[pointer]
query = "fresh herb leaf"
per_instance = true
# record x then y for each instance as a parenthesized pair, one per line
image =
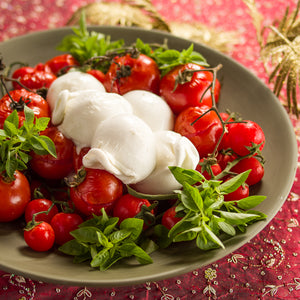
(17, 142)
(84, 45)
(206, 214)
(106, 242)
(167, 59)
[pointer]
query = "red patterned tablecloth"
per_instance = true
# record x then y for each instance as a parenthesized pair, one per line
(265, 268)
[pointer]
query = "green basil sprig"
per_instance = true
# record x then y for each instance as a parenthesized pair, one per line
(205, 213)
(17, 142)
(103, 243)
(84, 45)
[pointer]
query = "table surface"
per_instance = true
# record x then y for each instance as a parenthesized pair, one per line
(265, 268)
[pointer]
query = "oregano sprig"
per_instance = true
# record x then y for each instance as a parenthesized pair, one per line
(17, 142)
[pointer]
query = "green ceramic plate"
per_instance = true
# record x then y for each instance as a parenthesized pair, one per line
(241, 92)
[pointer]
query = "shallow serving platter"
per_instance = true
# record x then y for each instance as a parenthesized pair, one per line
(241, 92)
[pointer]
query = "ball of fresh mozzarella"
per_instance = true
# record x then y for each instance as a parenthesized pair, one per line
(80, 113)
(172, 149)
(72, 81)
(152, 109)
(124, 145)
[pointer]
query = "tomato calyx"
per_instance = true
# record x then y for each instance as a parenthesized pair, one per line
(19, 105)
(206, 165)
(7, 178)
(187, 75)
(147, 215)
(122, 71)
(77, 178)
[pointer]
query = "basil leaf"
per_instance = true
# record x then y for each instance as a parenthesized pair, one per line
(86, 234)
(250, 202)
(134, 225)
(186, 176)
(131, 249)
(232, 184)
(73, 247)
(238, 218)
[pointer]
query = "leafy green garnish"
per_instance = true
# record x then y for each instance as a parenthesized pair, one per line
(17, 142)
(84, 45)
(103, 243)
(167, 59)
(206, 214)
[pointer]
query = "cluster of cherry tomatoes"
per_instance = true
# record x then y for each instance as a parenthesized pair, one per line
(52, 208)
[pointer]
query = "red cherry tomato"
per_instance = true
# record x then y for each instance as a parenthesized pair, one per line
(183, 95)
(20, 72)
(204, 133)
(35, 78)
(62, 224)
(216, 169)
(77, 157)
(39, 205)
(225, 117)
(169, 218)
(224, 159)
(39, 189)
(21, 98)
(61, 62)
(50, 167)
(127, 73)
(41, 237)
(244, 134)
(128, 206)
(251, 163)
(14, 197)
(240, 193)
(100, 189)
(97, 74)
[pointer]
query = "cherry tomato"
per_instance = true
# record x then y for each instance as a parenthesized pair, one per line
(39, 189)
(180, 96)
(216, 169)
(204, 133)
(50, 167)
(127, 73)
(253, 164)
(39, 205)
(35, 78)
(128, 206)
(99, 189)
(61, 63)
(77, 157)
(240, 193)
(62, 224)
(41, 237)
(97, 74)
(244, 134)
(20, 72)
(225, 117)
(14, 197)
(224, 159)
(169, 218)
(21, 98)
